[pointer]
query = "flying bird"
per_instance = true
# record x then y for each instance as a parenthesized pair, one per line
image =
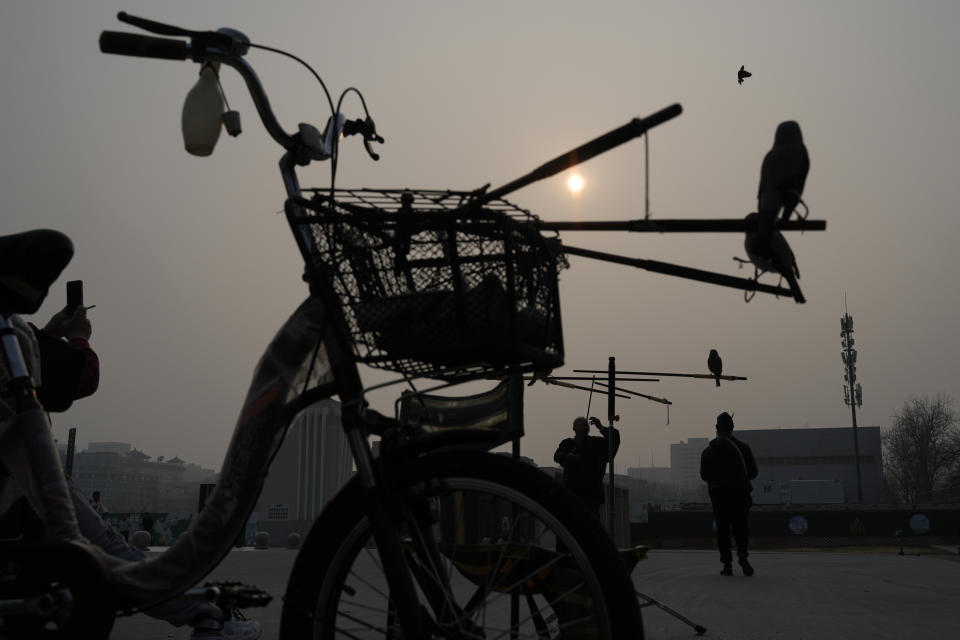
(743, 73)
(715, 364)
(782, 174)
(768, 251)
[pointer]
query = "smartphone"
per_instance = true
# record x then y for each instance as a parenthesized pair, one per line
(74, 294)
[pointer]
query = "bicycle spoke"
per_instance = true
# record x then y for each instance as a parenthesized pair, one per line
(369, 584)
(463, 579)
(362, 623)
(516, 584)
(365, 607)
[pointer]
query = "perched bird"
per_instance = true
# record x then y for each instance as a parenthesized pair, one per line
(715, 364)
(769, 251)
(743, 73)
(782, 174)
(539, 375)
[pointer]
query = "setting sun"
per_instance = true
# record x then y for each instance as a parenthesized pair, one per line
(575, 183)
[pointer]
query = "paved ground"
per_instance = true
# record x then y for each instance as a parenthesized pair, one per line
(795, 595)
(804, 595)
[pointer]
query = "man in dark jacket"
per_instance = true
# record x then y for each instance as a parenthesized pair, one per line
(584, 459)
(727, 466)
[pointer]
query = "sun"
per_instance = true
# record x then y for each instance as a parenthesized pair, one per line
(575, 183)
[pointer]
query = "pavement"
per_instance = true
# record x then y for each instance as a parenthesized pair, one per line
(795, 595)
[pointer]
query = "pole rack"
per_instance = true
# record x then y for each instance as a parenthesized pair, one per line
(680, 225)
(681, 272)
(576, 386)
(708, 376)
(594, 378)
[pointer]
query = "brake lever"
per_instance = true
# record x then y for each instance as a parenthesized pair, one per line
(367, 129)
(155, 27)
(370, 135)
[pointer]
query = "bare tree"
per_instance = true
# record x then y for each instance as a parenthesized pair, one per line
(921, 449)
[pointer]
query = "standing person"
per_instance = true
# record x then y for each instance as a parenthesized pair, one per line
(146, 523)
(727, 466)
(97, 504)
(124, 527)
(584, 459)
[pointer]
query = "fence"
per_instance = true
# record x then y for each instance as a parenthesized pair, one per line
(813, 526)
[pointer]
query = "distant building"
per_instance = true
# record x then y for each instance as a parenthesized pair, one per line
(122, 448)
(130, 481)
(796, 466)
(815, 465)
(660, 475)
(685, 463)
(313, 463)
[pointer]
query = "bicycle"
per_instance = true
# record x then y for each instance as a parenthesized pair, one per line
(453, 286)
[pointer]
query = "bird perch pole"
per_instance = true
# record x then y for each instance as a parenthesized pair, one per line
(611, 416)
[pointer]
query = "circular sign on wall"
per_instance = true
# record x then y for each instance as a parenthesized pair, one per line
(919, 523)
(798, 525)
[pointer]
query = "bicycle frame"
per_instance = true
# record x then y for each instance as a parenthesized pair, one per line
(308, 360)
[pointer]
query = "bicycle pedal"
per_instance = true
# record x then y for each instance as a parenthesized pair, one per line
(236, 595)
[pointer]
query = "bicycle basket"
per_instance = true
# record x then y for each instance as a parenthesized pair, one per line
(429, 292)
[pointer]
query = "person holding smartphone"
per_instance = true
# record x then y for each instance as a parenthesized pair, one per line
(70, 368)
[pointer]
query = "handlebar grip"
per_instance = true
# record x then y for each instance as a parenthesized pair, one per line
(135, 44)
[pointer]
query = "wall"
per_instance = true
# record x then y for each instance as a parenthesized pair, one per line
(806, 527)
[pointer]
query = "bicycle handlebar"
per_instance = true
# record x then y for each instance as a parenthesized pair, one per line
(227, 47)
(135, 44)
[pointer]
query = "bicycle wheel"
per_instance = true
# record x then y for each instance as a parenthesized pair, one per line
(498, 524)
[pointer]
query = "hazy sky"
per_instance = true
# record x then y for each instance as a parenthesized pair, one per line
(192, 269)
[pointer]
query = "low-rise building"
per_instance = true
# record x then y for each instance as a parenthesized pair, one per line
(132, 481)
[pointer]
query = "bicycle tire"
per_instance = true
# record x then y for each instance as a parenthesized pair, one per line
(337, 550)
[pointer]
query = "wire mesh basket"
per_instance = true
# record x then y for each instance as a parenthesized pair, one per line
(429, 291)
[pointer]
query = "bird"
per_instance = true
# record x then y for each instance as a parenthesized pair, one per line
(768, 250)
(783, 174)
(540, 375)
(715, 364)
(743, 73)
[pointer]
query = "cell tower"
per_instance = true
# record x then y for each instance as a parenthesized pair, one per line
(852, 391)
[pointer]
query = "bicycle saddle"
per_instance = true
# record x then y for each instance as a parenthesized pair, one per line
(29, 263)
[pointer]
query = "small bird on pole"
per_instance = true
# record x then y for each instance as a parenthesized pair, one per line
(539, 375)
(743, 73)
(772, 253)
(715, 364)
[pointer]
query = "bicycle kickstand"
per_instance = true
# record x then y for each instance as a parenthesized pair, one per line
(648, 601)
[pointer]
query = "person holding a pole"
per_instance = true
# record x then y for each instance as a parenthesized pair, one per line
(584, 460)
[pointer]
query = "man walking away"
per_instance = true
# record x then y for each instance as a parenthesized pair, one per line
(727, 466)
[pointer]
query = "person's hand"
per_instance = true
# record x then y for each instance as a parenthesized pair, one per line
(70, 324)
(595, 421)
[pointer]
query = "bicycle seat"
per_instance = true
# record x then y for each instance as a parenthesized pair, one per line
(29, 263)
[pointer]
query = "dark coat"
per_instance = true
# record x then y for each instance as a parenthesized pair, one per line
(69, 370)
(727, 464)
(584, 465)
